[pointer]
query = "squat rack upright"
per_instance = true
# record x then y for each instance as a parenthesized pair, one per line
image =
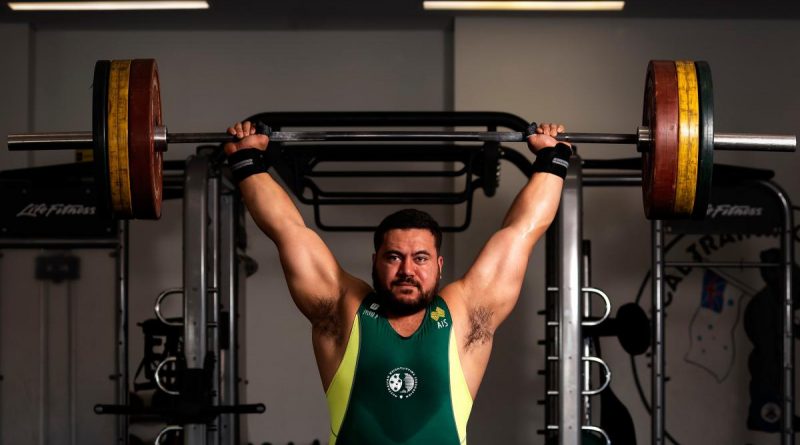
(565, 278)
(205, 405)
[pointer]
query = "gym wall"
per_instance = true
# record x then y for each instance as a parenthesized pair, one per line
(14, 88)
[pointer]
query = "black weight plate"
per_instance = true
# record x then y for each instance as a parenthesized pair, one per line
(99, 135)
(705, 165)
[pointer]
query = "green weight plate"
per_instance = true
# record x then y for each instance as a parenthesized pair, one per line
(99, 136)
(706, 152)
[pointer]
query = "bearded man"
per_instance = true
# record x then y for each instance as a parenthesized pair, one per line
(401, 361)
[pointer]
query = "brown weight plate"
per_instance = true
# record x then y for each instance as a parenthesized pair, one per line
(146, 162)
(660, 156)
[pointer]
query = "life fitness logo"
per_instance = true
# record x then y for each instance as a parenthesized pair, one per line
(401, 383)
(43, 210)
(728, 210)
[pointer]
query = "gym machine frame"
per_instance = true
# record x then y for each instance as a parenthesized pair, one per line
(566, 233)
(296, 166)
(210, 277)
(119, 245)
(569, 281)
(568, 354)
(658, 360)
(569, 414)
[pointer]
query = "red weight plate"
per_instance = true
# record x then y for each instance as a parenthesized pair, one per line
(660, 156)
(146, 161)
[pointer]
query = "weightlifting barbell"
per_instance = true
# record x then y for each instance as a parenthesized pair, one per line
(676, 138)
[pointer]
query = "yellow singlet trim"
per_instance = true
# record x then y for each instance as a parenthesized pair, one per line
(338, 393)
(460, 397)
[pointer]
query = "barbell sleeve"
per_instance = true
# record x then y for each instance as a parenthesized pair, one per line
(722, 141)
(73, 140)
(755, 142)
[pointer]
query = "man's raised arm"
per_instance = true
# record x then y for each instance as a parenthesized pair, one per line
(315, 279)
(492, 285)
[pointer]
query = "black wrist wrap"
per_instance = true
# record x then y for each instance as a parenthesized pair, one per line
(246, 162)
(553, 160)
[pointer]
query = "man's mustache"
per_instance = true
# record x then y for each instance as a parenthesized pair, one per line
(407, 280)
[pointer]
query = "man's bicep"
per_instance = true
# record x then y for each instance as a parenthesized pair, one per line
(312, 273)
(494, 280)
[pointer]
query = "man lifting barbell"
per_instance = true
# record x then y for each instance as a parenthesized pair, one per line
(401, 361)
(677, 138)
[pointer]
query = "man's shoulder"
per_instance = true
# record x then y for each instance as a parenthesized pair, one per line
(455, 297)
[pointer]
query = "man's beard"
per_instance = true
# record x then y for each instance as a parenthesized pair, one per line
(394, 305)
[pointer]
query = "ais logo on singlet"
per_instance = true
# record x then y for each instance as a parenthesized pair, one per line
(401, 382)
(438, 316)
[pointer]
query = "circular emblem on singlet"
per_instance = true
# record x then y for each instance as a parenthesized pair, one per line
(401, 383)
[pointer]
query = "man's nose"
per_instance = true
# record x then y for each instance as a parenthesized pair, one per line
(407, 268)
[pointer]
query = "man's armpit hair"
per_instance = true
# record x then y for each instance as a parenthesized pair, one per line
(479, 322)
(326, 318)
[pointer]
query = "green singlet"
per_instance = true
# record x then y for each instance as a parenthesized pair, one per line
(399, 390)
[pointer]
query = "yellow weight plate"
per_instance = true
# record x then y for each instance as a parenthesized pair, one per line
(118, 165)
(688, 138)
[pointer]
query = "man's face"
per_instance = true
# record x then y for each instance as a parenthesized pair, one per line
(406, 270)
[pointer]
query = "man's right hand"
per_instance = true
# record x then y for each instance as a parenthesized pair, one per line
(545, 136)
(246, 132)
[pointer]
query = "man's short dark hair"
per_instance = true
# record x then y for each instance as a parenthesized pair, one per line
(408, 219)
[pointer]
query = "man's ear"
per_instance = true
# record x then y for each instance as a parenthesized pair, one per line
(441, 265)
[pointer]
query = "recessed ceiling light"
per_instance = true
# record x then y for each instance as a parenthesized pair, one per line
(508, 5)
(107, 5)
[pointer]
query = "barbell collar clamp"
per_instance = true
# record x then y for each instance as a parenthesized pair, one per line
(643, 139)
(160, 138)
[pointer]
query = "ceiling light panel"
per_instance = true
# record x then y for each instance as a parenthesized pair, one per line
(107, 5)
(507, 5)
